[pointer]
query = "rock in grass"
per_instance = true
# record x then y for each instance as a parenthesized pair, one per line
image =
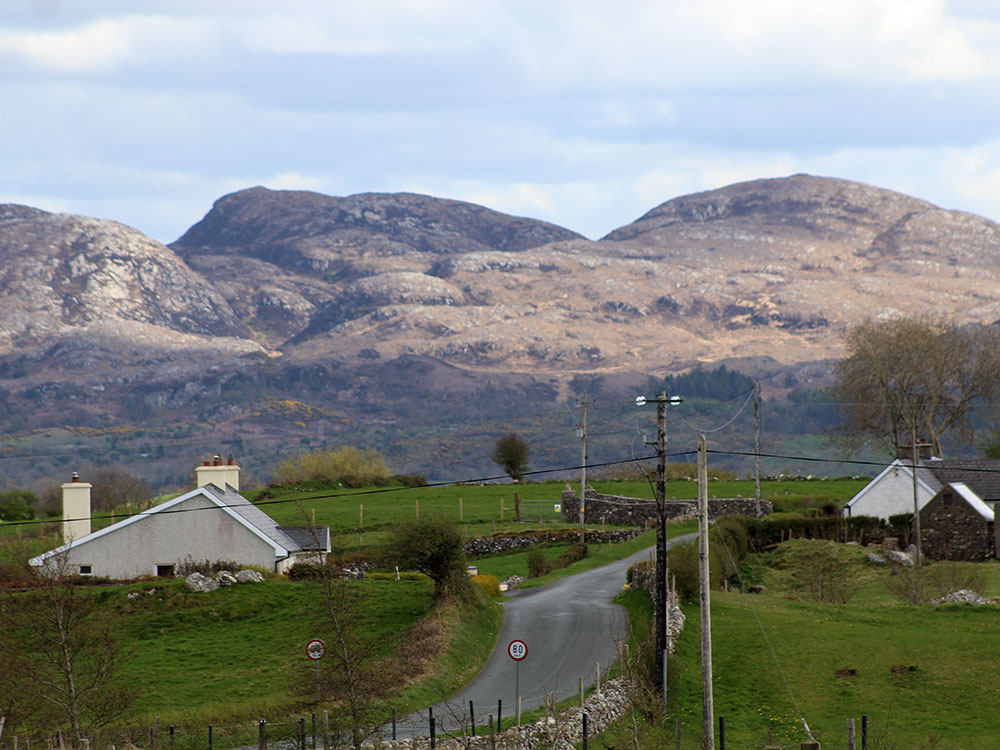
(200, 583)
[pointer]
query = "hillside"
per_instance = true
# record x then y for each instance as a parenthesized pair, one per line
(376, 310)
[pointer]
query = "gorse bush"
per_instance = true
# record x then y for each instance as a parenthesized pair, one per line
(347, 466)
(490, 584)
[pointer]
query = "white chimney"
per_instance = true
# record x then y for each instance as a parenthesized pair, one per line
(76, 509)
(219, 472)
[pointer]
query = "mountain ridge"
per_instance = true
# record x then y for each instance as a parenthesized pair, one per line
(272, 290)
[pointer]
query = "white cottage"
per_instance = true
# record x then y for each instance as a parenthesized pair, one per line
(213, 522)
(891, 492)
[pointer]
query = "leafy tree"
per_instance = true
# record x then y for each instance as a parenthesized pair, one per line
(916, 374)
(511, 454)
(17, 505)
(433, 546)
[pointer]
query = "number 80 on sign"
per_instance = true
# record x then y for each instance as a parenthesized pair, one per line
(517, 650)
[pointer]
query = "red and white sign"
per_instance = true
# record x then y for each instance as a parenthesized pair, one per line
(517, 650)
(315, 649)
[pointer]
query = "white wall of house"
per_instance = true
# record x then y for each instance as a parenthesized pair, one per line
(136, 549)
(889, 494)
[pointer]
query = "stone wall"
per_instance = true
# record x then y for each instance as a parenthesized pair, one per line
(618, 510)
(562, 732)
(486, 545)
(954, 531)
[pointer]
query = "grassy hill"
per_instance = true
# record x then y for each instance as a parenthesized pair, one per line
(923, 674)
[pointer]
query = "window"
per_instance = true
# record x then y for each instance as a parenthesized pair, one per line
(165, 571)
(946, 499)
(86, 570)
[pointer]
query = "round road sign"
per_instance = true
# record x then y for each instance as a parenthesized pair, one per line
(517, 650)
(315, 649)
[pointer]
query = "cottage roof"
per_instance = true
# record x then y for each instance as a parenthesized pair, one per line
(308, 537)
(980, 475)
(228, 501)
(973, 500)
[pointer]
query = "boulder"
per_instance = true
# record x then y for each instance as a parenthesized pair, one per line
(249, 576)
(200, 583)
(876, 559)
(225, 578)
(900, 558)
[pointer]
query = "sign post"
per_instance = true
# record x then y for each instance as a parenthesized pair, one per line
(316, 650)
(517, 650)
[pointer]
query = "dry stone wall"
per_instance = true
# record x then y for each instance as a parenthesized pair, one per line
(619, 510)
(562, 732)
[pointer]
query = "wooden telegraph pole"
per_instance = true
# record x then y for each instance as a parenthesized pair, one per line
(756, 448)
(583, 468)
(660, 599)
(708, 718)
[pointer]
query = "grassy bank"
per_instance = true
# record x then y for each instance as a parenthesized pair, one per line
(921, 673)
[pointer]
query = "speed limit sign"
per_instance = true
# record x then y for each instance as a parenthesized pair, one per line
(517, 650)
(315, 649)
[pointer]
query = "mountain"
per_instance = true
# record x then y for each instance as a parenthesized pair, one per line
(378, 314)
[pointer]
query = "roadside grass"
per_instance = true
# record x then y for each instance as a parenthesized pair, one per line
(921, 673)
(602, 554)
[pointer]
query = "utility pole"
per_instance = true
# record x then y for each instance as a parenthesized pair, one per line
(708, 711)
(583, 468)
(916, 505)
(660, 600)
(756, 448)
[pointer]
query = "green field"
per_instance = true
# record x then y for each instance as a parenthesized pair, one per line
(921, 673)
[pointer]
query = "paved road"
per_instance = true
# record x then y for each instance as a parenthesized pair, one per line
(569, 627)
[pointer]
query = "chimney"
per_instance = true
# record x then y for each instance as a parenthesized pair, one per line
(219, 472)
(75, 509)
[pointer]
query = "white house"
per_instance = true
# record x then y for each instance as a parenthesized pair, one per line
(891, 492)
(213, 522)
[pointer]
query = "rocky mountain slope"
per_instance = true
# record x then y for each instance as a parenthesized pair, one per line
(355, 298)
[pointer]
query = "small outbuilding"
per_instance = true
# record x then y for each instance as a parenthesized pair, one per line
(213, 522)
(956, 524)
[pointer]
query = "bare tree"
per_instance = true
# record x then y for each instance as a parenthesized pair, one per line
(920, 375)
(63, 648)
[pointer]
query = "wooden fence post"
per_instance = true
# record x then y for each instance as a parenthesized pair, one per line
(302, 734)
(493, 738)
(326, 730)
(211, 737)
(262, 734)
(517, 507)
(585, 738)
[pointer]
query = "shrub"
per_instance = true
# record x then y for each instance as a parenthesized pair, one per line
(410, 480)
(490, 584)
(17, 505)
(404, 575)
(348, 466)
(537, 564)
(947, 577)
(576, 552)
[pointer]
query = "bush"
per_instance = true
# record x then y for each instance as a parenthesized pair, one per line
(576, 552)
(947, 577)
(537, 564)
(348, 466)
(410, 480)
(17, 505)
(404, 575)
(490, 584)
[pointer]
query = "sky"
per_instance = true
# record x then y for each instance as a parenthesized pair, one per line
(586, 114)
